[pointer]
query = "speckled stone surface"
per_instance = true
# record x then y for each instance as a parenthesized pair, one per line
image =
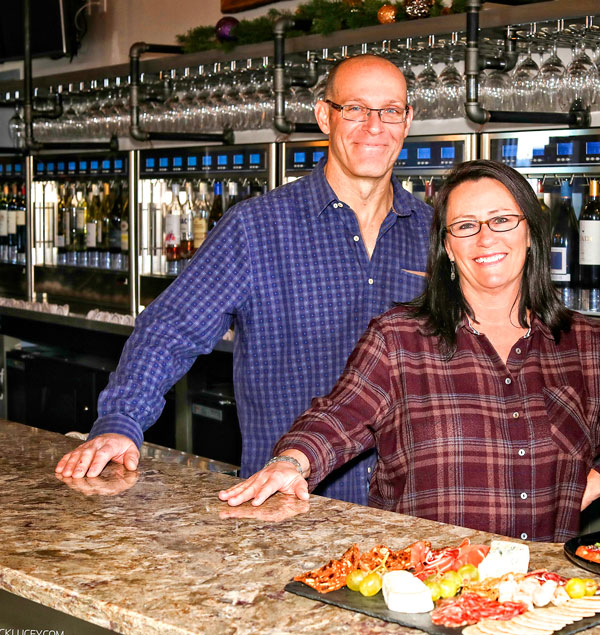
(155, 551)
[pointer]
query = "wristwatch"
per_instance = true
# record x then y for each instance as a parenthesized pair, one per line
(288, 459)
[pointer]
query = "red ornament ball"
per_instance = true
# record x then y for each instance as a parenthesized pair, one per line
(224, 29)
(387, 14)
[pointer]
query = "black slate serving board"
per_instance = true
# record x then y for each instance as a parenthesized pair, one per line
(375, 607)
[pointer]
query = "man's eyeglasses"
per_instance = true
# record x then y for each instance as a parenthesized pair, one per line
(503, 223)
(353, 112)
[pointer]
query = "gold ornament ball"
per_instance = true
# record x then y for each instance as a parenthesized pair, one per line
(418, 8)
(354, 4)
(387, 14)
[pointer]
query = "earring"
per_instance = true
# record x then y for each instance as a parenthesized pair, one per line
(452, 271)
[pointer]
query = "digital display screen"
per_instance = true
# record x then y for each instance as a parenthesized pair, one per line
(192, 162)
(403, 154)
(40, 167)
(9, 168)
(163, 162)
(17, 167)
(50, 167)
(255, 159)
(94, 165)
(538, 152)
(118, 164)
(318, 155)
(564, 149)
(299, 157)
(509, 151)
(106, 164)
(72, 166)
(423, 153)
(592, 147)
(150, 163)
(83, 165)
(61, 166)
(222, 159)
(448, 152)
(177, 162)
(238, 159)
(207, 161)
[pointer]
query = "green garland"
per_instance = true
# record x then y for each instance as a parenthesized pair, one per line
(325, 17)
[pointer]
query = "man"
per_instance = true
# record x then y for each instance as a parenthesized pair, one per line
(299, 271)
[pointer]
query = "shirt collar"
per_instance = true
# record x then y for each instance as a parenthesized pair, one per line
(322, 194)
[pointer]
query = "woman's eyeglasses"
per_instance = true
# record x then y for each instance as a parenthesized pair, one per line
(503, 223)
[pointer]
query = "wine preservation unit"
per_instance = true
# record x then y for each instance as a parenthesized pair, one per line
(183, 193)
(13, 229)
(564, 168)
(81, 230)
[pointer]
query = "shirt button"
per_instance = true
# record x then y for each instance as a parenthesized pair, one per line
(369, 470)
(523, 495)
(518, 351)
(356, 239)
(508, 380)
(371, 281)
(515, 415)
(523, 536)
(521, 452)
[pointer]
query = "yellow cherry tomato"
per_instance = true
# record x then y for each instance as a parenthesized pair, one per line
(371, 584)
(354, 578)
(591, 586)
(575, 588)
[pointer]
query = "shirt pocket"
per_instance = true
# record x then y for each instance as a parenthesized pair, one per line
(568, 424)
(413, 284)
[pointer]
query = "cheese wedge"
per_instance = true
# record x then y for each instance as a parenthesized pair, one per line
(504, 557)
(404, 593)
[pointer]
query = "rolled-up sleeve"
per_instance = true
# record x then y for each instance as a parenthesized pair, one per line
(342, 425)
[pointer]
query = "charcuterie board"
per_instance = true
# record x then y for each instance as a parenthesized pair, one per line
(375, 607)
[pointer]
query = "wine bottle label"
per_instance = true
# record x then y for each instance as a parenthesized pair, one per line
(200, 229)
(21, 217)
(558, 265)
(12, 221)
(3, 222)
(80, 219)
(172, 230)
(589, 242)
(90, 239)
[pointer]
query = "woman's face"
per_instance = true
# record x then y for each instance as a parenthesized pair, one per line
(488, 261)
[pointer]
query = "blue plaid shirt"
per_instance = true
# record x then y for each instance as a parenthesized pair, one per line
(290, 270)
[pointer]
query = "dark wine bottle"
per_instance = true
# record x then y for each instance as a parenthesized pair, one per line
(216, 211)
(21, 228)
(589, 251)
(564, 264)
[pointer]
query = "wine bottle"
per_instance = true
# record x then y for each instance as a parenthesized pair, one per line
(21, 228)
(186, 236)
(63, 231)
(216, 210)
(201, 214)
(233, 194)
(124, 226)
(538, 187)
(589, 250)
(114, 232)
(12, 226)
(72, 213)
(172, 231)
(564, 266)
(94, 227)
(106, 208)
(81, 228)
(4, 225)
(429, 193)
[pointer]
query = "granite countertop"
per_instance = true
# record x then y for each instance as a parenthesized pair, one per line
(155, 551)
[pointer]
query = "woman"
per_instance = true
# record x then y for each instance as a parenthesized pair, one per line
(482, 396)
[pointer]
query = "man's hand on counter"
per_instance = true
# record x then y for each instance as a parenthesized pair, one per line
(278, 477)
(90, 458)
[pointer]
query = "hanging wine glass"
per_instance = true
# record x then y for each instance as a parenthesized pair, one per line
(451, 86)
(524, 83)
(409, 75)
(427, 87)
(578, 81)
(549, 81)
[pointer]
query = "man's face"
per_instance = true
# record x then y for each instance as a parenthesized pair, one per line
(366, 149)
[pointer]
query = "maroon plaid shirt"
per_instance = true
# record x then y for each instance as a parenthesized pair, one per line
(470, 442)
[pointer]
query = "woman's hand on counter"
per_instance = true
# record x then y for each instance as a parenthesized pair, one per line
(278, 477)
(90, 458)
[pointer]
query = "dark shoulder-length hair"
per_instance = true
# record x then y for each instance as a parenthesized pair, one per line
(443, 305)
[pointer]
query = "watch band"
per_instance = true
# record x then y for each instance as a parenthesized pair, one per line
(288, 459)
